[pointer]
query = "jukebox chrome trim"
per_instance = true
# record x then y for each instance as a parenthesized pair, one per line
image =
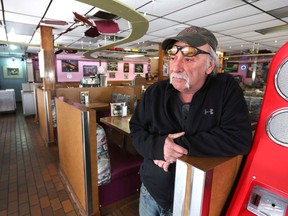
(278, 136)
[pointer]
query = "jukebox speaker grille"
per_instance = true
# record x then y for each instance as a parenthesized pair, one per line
(281, 80)
(277, 127)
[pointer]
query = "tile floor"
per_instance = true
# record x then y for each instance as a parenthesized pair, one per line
(29, 180)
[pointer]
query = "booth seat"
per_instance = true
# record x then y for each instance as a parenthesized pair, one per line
(125, 178)
(118, 170)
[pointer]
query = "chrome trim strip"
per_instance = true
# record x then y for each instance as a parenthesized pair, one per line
(87, 161)
(179, 190)
(276, 83)
(47, 115)
(196, 193)
(270, 135)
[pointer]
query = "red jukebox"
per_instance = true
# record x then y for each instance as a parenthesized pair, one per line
(263, 185)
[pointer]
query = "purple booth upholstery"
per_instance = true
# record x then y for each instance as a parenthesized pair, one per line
(125, 178)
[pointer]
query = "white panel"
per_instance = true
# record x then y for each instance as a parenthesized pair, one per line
(160, 24)
(19, 38)
(207, 8)
(63, 10)
(29, 7)
(162, 7)
(248, 28)
(22, 18)
(271, 5)
(135, 4)
(242, 22)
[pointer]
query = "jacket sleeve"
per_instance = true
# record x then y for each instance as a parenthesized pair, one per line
(149, 145)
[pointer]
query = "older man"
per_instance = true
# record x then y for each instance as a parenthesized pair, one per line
(196, 112)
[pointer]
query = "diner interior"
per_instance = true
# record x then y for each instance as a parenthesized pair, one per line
(72, 72)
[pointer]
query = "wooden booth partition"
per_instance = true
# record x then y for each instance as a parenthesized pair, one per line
(76, 127)
(44, 115)
(119, 82)
(98, 94)
(203, 185)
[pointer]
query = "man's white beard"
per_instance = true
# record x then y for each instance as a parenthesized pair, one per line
(181, 76)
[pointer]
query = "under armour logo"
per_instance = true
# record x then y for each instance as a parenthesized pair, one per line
(211, 111)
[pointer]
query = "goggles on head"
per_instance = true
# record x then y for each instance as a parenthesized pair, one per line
(187, 51)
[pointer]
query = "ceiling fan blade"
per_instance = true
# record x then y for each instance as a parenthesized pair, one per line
(92, 32)
(71, 51)
(104, 15)
(107, 26)
(83, 19)
(58, 51)
(54, 22)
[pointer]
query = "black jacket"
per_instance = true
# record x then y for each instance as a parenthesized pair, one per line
(217, 125)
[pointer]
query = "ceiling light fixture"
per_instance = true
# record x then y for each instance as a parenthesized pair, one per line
(273, 29)
(134, 56)
(13, 47)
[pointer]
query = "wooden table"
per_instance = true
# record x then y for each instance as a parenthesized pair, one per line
(98, 106)
(120, 124)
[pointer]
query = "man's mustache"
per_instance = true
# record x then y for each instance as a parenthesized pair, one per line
(180, 76)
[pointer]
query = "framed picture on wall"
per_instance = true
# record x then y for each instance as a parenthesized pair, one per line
(112, 66)
(138, 68)
(165, 68)
(12, 72)
(249, 72)
(126, 67)
(70, 66)
(89, 70)
(231, 67)
(112, 75)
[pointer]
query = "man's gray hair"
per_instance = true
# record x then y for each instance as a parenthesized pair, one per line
(214, 57)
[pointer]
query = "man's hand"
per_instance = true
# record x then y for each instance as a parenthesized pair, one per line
(162, 164)
(172, 151)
